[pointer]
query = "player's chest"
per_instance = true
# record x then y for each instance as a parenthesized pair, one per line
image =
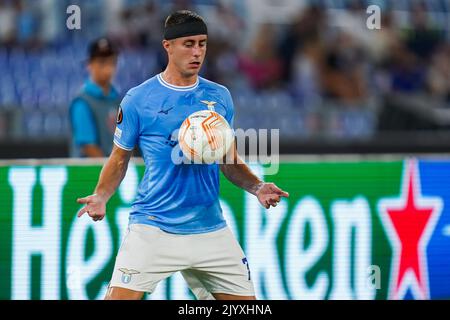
(167, 114)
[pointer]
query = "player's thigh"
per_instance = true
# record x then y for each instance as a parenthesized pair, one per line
(221, 266)
(201, 290)
(142, 261)
(197, 287)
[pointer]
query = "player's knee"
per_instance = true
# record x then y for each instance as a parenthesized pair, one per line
(226, 296)
(117, 293)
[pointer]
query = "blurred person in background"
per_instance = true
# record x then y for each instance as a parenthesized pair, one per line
(384, 41)
(93, 112)
(342, 73)
(228, 26)
(422, 38)
(27, 24)
(260, 64)
(305, 85)
(140, 25)
(8, 15)
(306, 27)
(407, 72)
(438, 77)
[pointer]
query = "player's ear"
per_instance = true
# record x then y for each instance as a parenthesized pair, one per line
(166, 45)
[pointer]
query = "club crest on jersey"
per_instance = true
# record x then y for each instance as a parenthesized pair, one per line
(119, 115)
(209, 104)
(127, 273)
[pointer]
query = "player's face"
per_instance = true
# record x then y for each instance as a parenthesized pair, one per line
(187, 53)
(103, 70)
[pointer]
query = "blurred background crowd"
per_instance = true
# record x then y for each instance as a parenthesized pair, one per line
(309, 67)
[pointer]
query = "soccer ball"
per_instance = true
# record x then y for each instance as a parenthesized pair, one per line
(205, 137)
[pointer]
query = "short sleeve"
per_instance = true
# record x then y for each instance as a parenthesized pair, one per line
(229, 107)
(127, 127)
(84, 129)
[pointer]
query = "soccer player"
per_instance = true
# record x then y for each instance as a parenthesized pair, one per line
(176, 223)
(93, 111)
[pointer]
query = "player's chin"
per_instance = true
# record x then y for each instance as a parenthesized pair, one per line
(193, 68)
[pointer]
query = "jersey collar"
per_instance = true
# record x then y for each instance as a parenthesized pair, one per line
(176, 88)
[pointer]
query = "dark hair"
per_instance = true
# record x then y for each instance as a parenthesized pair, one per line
(102, 48)
(182, 17)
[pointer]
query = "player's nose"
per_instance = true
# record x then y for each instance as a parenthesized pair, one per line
(196, 51)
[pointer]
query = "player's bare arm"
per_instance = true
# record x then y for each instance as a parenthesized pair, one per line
(239, 173)
(111, 176)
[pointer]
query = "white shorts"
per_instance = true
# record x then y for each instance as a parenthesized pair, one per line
(210, 262)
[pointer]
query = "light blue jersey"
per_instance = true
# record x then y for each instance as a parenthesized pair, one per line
(178, 198)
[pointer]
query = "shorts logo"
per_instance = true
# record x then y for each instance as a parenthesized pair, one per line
(126, 274)
(119, 115)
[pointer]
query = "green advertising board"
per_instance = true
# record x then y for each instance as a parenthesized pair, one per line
(329, 240)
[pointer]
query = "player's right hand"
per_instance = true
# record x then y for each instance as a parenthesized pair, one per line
(95, 207)
(269, 194)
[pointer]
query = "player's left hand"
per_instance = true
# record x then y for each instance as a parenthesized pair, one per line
(269, 194)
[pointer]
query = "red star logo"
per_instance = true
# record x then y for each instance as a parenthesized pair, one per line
(409, 221)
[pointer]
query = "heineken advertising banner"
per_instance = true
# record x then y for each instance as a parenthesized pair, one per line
(349, 230)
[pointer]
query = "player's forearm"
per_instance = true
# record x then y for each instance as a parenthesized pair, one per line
(241, 175)
(111, 176)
